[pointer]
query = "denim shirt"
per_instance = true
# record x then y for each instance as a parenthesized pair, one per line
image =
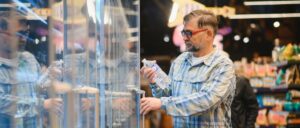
(200, 94)
(18, 86)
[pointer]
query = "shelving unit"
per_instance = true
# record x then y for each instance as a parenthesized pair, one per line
(285, 64)
(293, 119)
(264, 90)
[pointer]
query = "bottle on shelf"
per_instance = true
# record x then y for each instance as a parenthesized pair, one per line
(276, 51)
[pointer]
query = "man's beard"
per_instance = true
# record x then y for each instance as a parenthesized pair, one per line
(191, 48)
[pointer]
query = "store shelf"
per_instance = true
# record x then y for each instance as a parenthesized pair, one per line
(294, 121)
(285, 64)
(266, 107)
(269, 126)
(263, 90)
(270, 90)
(294, 87)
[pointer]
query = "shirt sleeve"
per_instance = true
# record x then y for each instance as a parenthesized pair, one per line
(221, 84)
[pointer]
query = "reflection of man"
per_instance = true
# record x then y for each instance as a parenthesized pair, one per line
(202, 79)
(108, 66)
(19, 75)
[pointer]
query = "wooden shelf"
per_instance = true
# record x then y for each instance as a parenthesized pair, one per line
(293, 121)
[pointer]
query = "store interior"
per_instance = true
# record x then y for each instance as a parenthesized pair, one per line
(262, 38)
(256, 37)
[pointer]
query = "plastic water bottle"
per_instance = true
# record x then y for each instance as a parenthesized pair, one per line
(161, 79)
(276, 51)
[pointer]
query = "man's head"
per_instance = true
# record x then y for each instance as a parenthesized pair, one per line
(11, 24)
(115, 39)
(200, 27)
(5, 35)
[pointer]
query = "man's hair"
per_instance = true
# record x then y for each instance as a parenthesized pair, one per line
(205, 18)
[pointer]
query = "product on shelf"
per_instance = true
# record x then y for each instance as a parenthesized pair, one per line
(289, 53)
(277, 117)
(294, 76)
(295, 94)
(262, 117)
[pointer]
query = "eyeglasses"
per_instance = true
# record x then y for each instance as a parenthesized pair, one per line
(189, 33)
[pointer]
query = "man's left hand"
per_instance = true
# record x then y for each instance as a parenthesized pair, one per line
(149, 103)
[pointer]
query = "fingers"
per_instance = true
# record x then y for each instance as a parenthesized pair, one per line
(145, 105)
(144, 102)
(58, 110)
(86, 104)
(57, 102)
(142, 70)
(58, 105)
(148, 73)
(145, 109)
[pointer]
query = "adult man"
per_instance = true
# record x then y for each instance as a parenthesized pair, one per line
(20, 102)
(202, 79)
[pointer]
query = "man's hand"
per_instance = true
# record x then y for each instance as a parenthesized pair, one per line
(55, 70)
(124, 104)
(55, 73)
(54, 104)
(149, 103)
(148, 73)
(86, 104)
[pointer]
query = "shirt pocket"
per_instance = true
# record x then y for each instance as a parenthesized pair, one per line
(199, 84)
(188, 85)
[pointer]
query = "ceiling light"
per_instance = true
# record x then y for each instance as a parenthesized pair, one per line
(246, 40)
(276, 24)
(237, 37)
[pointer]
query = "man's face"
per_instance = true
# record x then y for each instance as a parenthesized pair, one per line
(5, 36)
(4, 43)
(195, 38)
(114, 44)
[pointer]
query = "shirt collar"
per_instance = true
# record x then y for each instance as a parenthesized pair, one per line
(9, 62)
(207, 60)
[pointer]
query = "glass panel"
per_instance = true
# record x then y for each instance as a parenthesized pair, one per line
(69, 63)
(21, 94)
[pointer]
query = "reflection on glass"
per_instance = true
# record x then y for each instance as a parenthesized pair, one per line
(91, 79)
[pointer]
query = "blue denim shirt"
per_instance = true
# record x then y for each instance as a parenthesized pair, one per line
(18, 86)
(200, 94)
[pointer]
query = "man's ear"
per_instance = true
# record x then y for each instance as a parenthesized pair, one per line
(210, 33)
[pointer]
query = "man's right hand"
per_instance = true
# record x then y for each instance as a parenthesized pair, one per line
(148, 73)
(54, 105)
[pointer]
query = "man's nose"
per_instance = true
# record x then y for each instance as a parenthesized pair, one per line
(185, 38)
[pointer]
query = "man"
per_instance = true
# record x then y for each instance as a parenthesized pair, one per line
(20, 103)
(202, 79)
(244, 107)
